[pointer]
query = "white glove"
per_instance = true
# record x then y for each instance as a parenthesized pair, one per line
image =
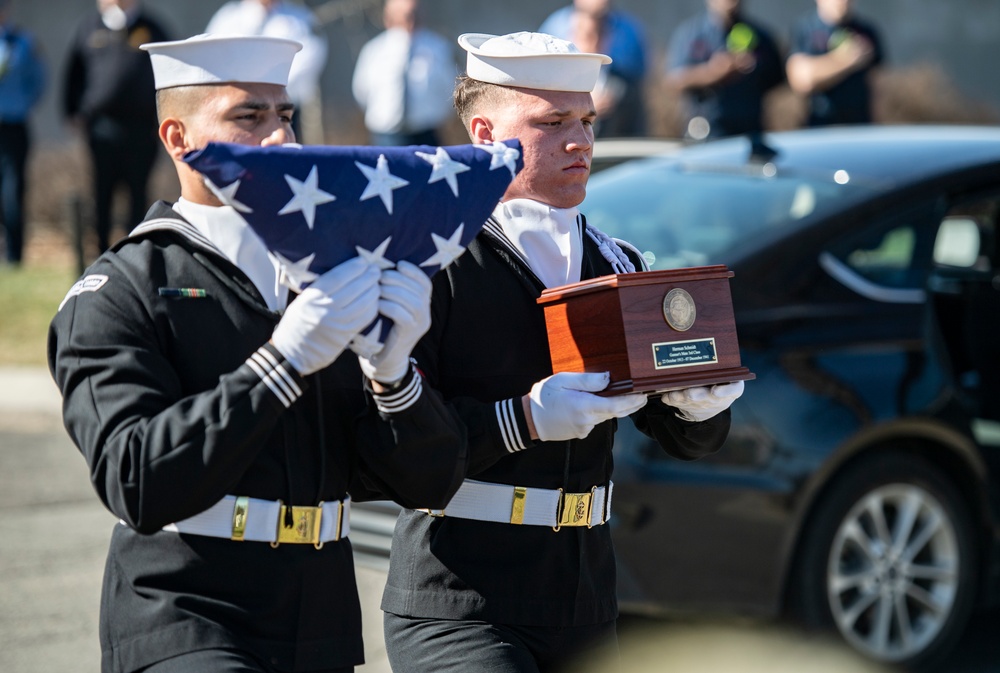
(700, 404)
(563, 405)
(320, 322)
(406, 300)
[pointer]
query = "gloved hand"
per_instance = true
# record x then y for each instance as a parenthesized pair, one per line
(406, 300)
(700, 404)
(563, 405)
(319, 323)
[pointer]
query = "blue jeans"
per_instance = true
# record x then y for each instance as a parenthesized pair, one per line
(14, 142)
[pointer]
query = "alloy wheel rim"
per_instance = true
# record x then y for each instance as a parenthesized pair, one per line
(893, 572)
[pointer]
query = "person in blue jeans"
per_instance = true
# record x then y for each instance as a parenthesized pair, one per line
(833, 54)
(22, 82)
(723, 64)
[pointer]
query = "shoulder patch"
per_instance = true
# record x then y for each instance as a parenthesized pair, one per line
(91, 283)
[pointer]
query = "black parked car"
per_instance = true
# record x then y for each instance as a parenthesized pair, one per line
(859, 484)
(858, 487)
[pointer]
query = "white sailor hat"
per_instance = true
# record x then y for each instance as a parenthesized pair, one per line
(530, 60)
(214, 59)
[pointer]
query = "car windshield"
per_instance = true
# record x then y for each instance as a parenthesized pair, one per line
(681, 216)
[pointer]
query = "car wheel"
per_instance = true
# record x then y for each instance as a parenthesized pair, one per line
(889, 560)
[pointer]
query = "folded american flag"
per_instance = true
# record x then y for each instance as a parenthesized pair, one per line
(317, 206)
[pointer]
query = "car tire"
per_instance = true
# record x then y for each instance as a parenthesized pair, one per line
(888, 559)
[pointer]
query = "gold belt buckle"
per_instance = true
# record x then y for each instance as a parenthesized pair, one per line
(305, 528)
(241, 509)
(517, 505)
(575, 509)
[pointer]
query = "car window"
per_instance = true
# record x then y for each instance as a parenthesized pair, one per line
(680, 217)
(967, 237)
(889, 258)
(957, 242)
(886, 258)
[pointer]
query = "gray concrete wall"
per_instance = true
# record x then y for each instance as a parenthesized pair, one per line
(958, 35)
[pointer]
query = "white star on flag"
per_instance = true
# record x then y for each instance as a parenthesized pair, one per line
(448, 249)
(380, 182)
(228, 195)
(502, 156)
(295, 275)
(443, 167)
(307, 195)
(377, 256)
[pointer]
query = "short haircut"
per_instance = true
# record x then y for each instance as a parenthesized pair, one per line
(473, 97)
(178, 101)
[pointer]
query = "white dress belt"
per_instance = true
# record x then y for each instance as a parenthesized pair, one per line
(255, 520)
(502, 503)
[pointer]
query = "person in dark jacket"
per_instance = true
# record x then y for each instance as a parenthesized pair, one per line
(108, 95)
(223, 421)
(831, 61)
(517, 571)
(723, 63)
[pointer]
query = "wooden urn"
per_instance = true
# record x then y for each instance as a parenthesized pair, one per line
(654, 331)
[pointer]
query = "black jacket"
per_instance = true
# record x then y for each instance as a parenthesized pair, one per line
(487, 343)
(161, 399)
(107, 75)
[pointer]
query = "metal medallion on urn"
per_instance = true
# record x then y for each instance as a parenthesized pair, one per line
(679, 309)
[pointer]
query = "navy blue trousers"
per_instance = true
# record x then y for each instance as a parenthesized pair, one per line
(122, 154)
(459, 646)
(219, 661)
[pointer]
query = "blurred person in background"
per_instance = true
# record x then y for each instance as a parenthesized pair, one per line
(723, 63)
(403, 79)
(832, 57)
(594, 26)
(276, 18)
(22, 82)
(108, 94)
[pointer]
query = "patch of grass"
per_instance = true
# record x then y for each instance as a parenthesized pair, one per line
(29, 297)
